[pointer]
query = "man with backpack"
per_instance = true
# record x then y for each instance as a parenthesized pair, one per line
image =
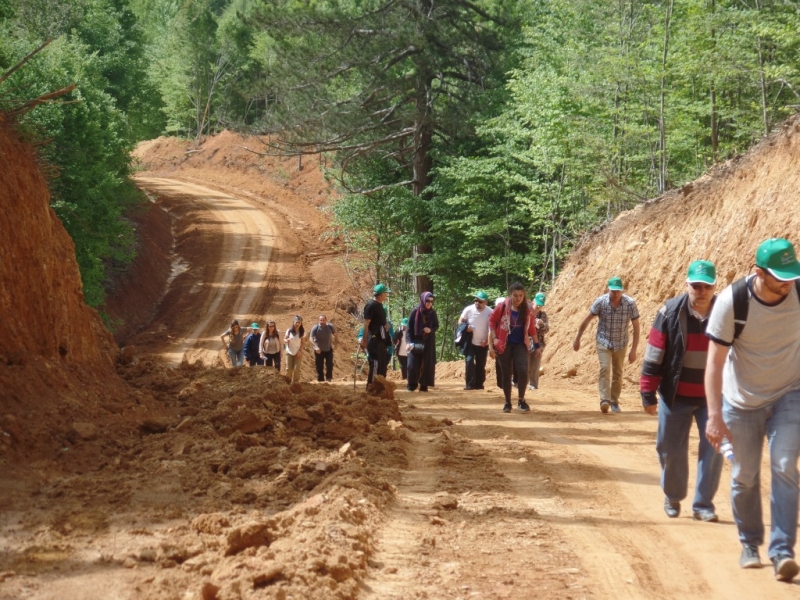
(323, 337)
(752, 384)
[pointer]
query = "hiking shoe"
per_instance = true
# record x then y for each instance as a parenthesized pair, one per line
(785, 567)
(523, 406)
(507, 407)
(750, 558)
(615, 408)
(604, 406)
(707, 516)
(673, 509)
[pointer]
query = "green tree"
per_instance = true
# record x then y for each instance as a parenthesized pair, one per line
(381, 81)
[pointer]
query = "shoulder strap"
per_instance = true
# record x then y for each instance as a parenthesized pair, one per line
(741, 303)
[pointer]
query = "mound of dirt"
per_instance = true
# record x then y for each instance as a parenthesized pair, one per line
(722, 217)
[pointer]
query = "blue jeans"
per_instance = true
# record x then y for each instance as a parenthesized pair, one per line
(779, 422)
(237, 357)
(672, 446)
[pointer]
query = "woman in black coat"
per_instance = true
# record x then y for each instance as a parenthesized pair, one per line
(421, 343)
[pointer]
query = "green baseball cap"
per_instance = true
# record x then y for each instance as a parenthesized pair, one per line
(481, 295)
(254, 325)
(381, 289)
(539, 299)
(404, 322)
(615, 284)
(702, 271)
(777, 256)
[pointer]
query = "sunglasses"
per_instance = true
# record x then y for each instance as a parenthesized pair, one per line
(428, 301)
(701, 286)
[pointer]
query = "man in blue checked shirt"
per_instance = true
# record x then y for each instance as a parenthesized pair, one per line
(614, 311)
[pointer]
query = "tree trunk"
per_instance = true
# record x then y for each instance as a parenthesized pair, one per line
(663, 176)
(421, 166)
(713, 93)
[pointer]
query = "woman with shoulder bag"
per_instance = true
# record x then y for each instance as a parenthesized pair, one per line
(512, 335)
(421, 344)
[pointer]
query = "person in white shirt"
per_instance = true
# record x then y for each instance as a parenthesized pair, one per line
(295, 342)
(476, 348)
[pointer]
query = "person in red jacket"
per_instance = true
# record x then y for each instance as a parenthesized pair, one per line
(512, 335)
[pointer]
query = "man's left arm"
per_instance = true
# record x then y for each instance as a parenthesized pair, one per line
(635, 344)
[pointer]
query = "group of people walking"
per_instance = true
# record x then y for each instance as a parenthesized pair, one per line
(511, 333)
(728, 364)
(266, 348)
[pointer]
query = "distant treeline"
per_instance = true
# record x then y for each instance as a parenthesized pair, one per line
(473, 141)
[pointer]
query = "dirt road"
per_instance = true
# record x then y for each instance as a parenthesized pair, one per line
(246, 487)
(244, 238)
(563, 502)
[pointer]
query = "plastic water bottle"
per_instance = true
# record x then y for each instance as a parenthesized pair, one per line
(726, 448)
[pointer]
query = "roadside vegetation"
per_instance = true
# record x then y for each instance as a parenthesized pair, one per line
(472, 143)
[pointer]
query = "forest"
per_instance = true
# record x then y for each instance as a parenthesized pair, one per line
(472, 142)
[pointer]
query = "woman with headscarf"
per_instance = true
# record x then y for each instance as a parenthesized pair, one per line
(400, 348)
(512, 335)
(421, 344)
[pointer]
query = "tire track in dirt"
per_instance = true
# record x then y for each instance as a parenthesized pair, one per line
(492, 544)
(248, 238)
(591, 481)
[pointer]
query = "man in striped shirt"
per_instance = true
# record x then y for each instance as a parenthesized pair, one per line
(674, 365)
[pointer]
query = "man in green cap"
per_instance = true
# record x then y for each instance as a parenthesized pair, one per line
(376, 340)
(753, 386)
(614, 311)
(542, 327)
(476, 348)
(674, 366)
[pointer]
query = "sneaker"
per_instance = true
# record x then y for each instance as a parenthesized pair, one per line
(604, 406)
(785, 567)
(523, 406)
(615, 408)
(673, 509)
(707, 516)
(750, 558)
(507, 407)
(532, 387)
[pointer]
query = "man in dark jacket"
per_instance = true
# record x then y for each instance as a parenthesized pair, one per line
(376, 339)
(251, 345)
(674, 365)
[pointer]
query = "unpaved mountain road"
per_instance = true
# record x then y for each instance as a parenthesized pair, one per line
(563, 502)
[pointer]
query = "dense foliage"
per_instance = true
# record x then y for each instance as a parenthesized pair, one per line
(474, 141)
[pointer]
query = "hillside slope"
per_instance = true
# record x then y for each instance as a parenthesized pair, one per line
(722, 217)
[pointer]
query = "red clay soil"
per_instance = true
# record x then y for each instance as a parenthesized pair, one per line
(171, 476)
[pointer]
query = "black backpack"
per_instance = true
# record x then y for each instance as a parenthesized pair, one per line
(741, 304)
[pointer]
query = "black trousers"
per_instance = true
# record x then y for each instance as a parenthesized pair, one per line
(403, 365)
(475, 372)
(515, 356)
(255, 361)
(378, 356)
(327, 359)
(273, 360)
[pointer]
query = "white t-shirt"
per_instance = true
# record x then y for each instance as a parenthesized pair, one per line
(762, 363)
(295, 340)
(479, 321)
